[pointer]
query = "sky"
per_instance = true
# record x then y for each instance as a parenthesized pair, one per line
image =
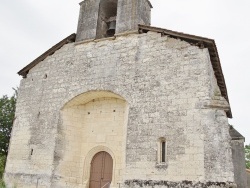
(30, 27)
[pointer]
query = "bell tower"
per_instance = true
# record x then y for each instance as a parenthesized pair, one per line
(106, 18)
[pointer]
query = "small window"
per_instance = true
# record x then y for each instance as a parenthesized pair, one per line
(162, 147)
(163, 151)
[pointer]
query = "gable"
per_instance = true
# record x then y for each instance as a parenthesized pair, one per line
(202, 43)
(192, 39)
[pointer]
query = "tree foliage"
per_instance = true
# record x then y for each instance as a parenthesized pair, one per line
(2, 165)
(247, 154)
(7, 114)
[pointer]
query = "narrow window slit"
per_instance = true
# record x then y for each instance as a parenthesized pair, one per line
(31, 152)
(163, 151)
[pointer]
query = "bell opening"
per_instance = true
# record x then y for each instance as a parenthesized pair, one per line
(106, 24)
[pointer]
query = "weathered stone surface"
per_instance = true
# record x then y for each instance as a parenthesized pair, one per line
(93, 17)
(87, 23)
(163, 81)
(131, 13)
(239, 162)
(183, 184)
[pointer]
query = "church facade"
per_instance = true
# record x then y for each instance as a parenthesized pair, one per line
(122, 104)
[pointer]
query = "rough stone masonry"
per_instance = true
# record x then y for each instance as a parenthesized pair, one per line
(152, 99)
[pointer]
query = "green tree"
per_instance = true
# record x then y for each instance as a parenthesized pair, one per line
(247, 152)
(7, 114)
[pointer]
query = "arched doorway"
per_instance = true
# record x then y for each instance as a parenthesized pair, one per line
(92, 122)
(101, 170)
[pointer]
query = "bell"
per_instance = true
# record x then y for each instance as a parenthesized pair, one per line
(111, 29)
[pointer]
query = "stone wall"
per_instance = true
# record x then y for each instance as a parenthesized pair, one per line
(182, 184)
(144, 10)
(169, 87)
(87, 23)
(238, 154)
(216, 138)
(131, 13)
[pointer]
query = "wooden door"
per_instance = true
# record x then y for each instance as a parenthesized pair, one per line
(101, 170)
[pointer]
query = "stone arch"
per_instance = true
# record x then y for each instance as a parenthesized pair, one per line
(88, 159)
(88, 96)
(91, 122)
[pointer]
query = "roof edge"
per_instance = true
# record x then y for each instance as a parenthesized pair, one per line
(192, 39)
(23, 72)
(234, 134)
(150, 4)
(201, 42)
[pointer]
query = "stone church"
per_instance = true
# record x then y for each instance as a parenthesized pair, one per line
(122, 104)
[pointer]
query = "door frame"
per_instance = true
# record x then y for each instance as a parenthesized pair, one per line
(87, 164)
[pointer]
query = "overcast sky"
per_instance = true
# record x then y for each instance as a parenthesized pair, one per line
(30, 27)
